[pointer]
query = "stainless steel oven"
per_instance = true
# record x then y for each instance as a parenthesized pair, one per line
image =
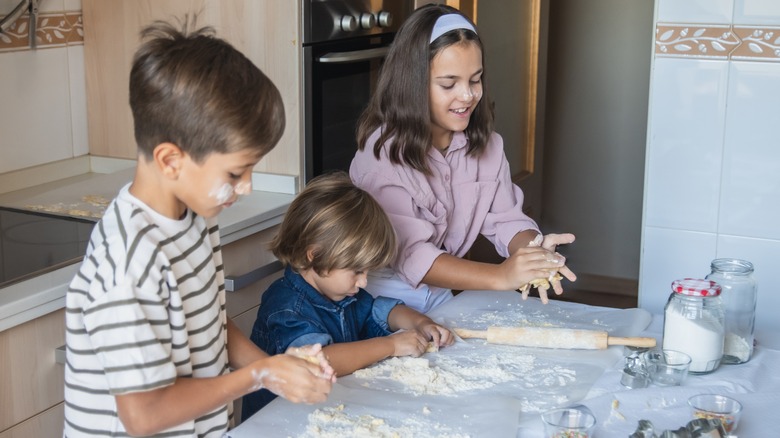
(344, 44)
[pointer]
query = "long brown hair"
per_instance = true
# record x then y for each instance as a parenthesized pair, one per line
(400, 106)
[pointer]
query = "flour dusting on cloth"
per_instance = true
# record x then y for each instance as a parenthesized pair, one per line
(336, 422)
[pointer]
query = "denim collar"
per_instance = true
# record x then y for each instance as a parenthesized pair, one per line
(313, 295)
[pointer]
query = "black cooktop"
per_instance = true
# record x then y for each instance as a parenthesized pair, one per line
(33, 243)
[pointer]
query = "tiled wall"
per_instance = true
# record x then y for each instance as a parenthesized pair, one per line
(712, 179)
(43, 115)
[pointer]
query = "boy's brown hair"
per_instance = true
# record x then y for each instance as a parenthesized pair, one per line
(198, 92)
(343, 226)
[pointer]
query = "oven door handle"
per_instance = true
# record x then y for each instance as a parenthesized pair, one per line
(355, 56)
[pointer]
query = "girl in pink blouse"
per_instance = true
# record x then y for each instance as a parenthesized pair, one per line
(428, 154)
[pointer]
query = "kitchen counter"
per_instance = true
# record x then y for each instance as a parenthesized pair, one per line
(29, 299)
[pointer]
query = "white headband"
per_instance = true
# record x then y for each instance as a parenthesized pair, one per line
(449, 22)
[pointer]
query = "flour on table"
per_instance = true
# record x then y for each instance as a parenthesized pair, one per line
(451, 376)
(515, 315)
(446, 377)
(335, 422)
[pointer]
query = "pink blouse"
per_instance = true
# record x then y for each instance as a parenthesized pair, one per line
(444, 212)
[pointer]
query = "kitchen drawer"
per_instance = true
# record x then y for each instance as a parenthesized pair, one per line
(31, 381)
(47, 424)
(249, 258)
(246, 319)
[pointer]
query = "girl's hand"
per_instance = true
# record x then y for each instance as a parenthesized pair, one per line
(408, 343)
(293, 378)
(527, 264)
(550, 243)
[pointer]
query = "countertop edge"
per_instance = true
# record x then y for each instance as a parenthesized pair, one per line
(27, 300)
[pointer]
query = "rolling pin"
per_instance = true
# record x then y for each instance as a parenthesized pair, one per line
(545, 337)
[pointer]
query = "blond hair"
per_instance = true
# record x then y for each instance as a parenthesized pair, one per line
(342, 226)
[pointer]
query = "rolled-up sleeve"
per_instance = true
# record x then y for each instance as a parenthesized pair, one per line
(381, 309)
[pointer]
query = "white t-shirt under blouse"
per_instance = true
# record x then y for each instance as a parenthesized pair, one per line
(146, 307)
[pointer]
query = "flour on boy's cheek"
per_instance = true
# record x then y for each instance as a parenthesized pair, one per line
(222, 193)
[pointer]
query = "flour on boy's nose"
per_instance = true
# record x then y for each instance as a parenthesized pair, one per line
(243, 188)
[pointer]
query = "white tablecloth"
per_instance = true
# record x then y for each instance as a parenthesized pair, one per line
(541, 379)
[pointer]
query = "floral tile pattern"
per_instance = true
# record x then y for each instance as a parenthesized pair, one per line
(757, 44)
(717, 41)
(52, 30)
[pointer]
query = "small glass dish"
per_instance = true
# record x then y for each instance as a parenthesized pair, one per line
(667, 367)
(718, 407)
(568, 423)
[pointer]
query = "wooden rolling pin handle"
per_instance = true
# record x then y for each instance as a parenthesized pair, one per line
(471, 334)
(632, 342)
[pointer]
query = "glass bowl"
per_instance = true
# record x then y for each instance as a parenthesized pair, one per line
(568, 423)
(718, 407)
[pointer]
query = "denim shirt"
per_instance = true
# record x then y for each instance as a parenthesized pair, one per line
(292, 314)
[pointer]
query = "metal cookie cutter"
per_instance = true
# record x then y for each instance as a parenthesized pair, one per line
(635, 374)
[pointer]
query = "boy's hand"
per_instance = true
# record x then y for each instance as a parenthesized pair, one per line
(315, 355)
(409, 343)
(293, 378)
(439, 335)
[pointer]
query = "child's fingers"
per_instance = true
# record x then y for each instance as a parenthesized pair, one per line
(566, 272)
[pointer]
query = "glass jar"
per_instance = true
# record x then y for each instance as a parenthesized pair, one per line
(738, 292)
(694, 323)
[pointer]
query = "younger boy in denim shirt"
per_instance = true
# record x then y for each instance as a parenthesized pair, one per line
(332, 235)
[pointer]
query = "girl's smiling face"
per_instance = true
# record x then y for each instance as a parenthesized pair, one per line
(455, 90)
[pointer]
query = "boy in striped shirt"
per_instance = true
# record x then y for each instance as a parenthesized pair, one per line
(150, 350)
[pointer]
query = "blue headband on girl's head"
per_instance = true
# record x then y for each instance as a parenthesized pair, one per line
(449, 22)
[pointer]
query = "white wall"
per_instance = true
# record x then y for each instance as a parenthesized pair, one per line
(598, 63)
(43, 116)
(712, 184)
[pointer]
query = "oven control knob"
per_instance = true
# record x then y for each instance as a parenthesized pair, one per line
(384, 19)
(348, 23)
(367, 21)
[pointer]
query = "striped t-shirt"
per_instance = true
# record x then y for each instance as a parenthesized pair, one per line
(147, 306)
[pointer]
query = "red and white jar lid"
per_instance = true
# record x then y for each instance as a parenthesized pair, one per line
(695, 287)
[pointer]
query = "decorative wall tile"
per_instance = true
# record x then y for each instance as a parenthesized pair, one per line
(758, 44)
(718, 41)
(709, 41)
(53, 30)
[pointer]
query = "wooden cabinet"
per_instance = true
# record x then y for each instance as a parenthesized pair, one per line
(266, 31)
(46, 424)
(244, 258)
(31, 382)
